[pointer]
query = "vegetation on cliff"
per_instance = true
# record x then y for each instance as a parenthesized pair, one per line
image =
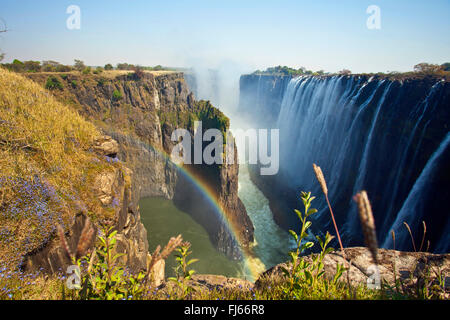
(204, 111)
(47, 167)
(420, 70)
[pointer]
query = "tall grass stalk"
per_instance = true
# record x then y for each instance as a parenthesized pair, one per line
(320, 177)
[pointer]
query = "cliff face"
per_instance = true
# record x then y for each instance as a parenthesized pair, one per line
(114, 191)
(141, 114)
(384, 135)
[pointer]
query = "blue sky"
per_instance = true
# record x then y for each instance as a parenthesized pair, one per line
(322, 34)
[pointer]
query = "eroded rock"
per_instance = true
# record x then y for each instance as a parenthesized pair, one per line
(405, 266)
(106, 146)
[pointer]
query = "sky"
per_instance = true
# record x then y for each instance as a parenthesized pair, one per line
(325, 35)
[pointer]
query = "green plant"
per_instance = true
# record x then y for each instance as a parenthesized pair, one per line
(101, 82)
(53, 83)
(87, 70)
(117, 95)
(183, 274)
(74, 84)
(307, 277)
(103, 278)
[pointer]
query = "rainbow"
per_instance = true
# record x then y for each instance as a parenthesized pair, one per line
(253, 266)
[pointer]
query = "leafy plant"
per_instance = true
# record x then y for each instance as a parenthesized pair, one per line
(308, 275)
(101, 82)
(183, 274)
(87, 70)
(104, 278)
(117, 95)
(53, 83)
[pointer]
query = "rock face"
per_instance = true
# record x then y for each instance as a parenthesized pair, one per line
(409, 267)
(141, 117)
(114, 190)
(216, 282)
(345, 124)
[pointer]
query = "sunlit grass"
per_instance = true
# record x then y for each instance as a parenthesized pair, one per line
(46, 166)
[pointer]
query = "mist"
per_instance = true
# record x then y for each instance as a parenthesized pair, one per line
(219, 83)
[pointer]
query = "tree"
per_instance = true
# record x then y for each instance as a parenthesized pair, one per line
(98, 70)
(32, 66)
(50, 66)
(17, 65)
(79, 65)
(124, 66)
(345, 72)
(427, 67)
(63, 68)
(445, 66)
(108, 66)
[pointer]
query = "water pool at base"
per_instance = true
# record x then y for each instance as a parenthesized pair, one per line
(163, 220)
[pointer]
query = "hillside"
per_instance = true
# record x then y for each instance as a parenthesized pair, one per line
(54, 166)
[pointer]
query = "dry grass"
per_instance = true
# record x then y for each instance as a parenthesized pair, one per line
(45, 166)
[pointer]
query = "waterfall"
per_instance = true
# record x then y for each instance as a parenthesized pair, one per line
(387, 137)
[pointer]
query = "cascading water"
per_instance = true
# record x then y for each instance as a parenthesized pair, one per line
(271, 243)
(387, 137)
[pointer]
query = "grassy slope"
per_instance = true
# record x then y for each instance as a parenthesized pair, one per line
(46, 167)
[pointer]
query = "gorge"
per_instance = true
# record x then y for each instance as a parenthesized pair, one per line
(357, 128)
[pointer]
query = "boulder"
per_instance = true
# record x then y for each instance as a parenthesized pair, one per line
(106, 146)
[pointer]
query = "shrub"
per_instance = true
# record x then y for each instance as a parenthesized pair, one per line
(74, 84)
(63, 68)
(32, 66)
(108, 66)
(117, 95)
(101, 82)
(427, 67)
(138, 72)
(124, 66)
(183, 274)
(53, 83)
(345, 72)
(98, 70)
(87, 70)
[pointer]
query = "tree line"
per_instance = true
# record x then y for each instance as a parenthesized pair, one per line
(54, 66)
